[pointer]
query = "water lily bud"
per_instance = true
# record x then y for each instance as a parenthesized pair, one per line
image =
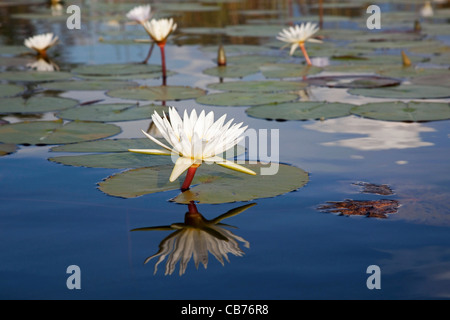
(405, 60)
(221, 57)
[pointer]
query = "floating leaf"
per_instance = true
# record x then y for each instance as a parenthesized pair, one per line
(404, 92)
(258, 86)
(111, 112)
(157, 93)
(34, 76)
(232, 71)
(301, 110)
(381, 189)
(7, 148)
(88, 85)
(288, 70)
(9, 90)
(353, 81)
(402, 111)
(212, 184)
(55, 132)
(107, 145)
(237, 48)
(118, 160)
(252, 59)
(245, 98)
(368, 208)
(36, 104)
(432, 80)
(253, 30)
(113, 69)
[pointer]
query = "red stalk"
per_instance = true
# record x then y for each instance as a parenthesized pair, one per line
(189, 177)
(302, 46)
(163, 61)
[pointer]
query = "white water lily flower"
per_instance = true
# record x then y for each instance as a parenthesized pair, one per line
(140, 14)
(41, 42)
(160, 29)
(298, 35)
(196, 139)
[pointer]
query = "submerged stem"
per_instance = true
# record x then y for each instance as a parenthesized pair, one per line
(302, 46)
(149, 54)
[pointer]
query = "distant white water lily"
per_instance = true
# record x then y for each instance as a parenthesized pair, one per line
(297, 36)
(427, 10)
(41, 43)
(196, 238)
(140, 14)
(159, 30)
(195, 139)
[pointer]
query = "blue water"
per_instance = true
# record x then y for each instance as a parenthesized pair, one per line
(53, 216)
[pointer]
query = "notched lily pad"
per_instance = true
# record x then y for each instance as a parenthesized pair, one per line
(34, 76)
(404, 111)
(36, 104)
(212, 183)
(368, 208)
(245, 98)
(288, 70)
(353, 81)
(88, 85)
(232, 71)
(157, 93)
(404, 92)
(113, 69)
(10, 90)
(55, 132)
(301, 110)
(114, 112)
(259, 86)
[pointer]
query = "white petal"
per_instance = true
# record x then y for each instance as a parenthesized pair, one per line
(231, 165)
(151, 151)
(158, 142)
(181, 165)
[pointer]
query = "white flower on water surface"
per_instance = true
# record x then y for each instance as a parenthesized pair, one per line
(41, 42)
(160, 29)
(140, 14)
(196, 139)
(298, 35)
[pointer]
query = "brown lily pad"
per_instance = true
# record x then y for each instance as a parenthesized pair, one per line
(369, 208)
(381, 189)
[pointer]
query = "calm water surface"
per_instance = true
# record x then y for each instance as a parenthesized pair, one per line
(54, 216)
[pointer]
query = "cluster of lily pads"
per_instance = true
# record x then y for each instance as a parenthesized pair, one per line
(405, 66)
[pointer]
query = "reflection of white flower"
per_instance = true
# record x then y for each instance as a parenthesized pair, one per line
(41, 42)
(43, 65)
(195, 139)
(140, 14)
(160, 29)
(196, 238)
(297, 35)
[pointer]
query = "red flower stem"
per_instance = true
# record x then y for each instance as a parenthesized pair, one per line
(189, 176)
(302, 46)
(163, 62)
(192, 208)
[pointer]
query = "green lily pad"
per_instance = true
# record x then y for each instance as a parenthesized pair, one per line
(212, 184)
(7, 148)
(442, 80)
(258, 86)
(353, 81)
(288, 70)
(13, 50)
(232, 71)
(36, 104)
(107, 146)
(301, 110)
(118, 160)
(112, 69)
(253, 30)
(34, 76)
(111, 112)
(237, 49)
(404, 92)
(88, 85)
(252, 59)
(55, 132)
(157, 93)
(10, 90)
(397, 71)
(400, 111)
(245, 98)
